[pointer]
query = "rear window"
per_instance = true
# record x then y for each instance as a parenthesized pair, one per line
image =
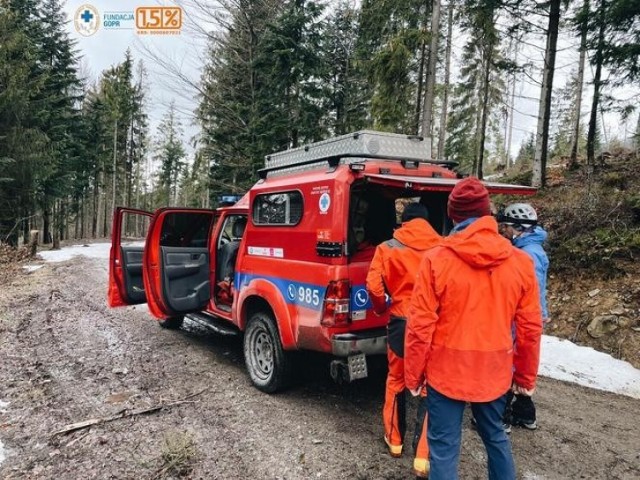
(284, 208)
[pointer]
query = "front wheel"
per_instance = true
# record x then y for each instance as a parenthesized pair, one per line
(269, 366)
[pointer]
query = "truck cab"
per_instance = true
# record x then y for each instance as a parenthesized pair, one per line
(286, 265)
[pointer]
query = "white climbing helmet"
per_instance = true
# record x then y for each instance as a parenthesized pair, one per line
(519, 214)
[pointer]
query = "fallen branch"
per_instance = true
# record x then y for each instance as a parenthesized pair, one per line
(124, 414)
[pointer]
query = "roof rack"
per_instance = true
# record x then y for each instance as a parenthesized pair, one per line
(365, 144)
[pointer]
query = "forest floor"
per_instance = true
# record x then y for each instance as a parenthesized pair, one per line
(67, 358)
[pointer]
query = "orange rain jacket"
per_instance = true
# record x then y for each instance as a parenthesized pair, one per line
(469, 292)
(395, 263)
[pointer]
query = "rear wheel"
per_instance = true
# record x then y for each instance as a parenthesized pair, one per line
(269, 366)
(172, 323)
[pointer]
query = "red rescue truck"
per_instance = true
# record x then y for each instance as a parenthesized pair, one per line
(286, 265)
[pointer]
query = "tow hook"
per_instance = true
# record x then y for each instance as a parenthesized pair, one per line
(346, 371)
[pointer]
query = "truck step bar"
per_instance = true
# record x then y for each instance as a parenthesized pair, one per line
(221, 327)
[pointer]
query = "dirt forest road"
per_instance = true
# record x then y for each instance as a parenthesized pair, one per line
(65, 358)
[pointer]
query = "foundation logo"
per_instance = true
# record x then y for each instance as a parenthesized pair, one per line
(158, 20)
(87, 20)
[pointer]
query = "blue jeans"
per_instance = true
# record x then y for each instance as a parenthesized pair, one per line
(444, 433)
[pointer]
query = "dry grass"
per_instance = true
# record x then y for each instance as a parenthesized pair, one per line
(178, 454)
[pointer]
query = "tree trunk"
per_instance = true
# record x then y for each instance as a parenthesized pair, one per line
(137, 204)
(445, 99)
(55, 229)
(544, 112)
(82, 215)
(593, 120)
(431, 72)
(423, 53)
(105, 216)
(46, 219)
(485, 110)
(575, 135)
(33, 243)
(95, 214)
(115, 165)
(511, 108)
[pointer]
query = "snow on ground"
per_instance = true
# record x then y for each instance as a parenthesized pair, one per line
(560, 359)
(564, 360)
(32, 268)
(91, 250)
(3, 409)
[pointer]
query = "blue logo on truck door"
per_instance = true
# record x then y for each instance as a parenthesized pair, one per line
(360, 298)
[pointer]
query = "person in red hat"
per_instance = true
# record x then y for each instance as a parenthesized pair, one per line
(469, 292)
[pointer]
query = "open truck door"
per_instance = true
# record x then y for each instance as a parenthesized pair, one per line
(177, 268)
(126, 286)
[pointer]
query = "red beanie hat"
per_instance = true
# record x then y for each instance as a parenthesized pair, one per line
(469, 198)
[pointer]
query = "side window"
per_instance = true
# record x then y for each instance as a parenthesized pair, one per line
(283, 208)
(182, 229)
(232, 230)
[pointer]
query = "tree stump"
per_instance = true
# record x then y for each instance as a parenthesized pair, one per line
(33, 242)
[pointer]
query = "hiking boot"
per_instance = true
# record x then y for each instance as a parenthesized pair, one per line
(521, 422)
(523, 413)
(394, 450)
(421, 467)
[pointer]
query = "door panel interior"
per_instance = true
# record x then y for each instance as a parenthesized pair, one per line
(185, 272)
(126, 278)
(132, 266)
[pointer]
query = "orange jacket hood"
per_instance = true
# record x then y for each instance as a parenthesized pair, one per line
(478, 246)
(417, 234)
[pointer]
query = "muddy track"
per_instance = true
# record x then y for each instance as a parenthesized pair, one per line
(67, 358)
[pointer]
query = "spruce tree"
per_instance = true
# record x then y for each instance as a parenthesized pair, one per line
(171, 155)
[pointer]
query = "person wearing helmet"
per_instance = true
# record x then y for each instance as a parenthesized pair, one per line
(519, 224)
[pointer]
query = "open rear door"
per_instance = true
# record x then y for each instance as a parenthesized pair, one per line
(128, 232)
(177, 270)
(443, 184)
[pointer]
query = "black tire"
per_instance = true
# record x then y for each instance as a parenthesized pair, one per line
(172, 323)
(269, 366)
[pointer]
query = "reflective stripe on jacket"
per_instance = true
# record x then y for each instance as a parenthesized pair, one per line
(395, 263)
(469, 291)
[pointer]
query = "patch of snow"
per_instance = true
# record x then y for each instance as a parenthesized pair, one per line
(532, 476)
(564, 360)
(32, 268)
(3, 452)
(91, 250)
